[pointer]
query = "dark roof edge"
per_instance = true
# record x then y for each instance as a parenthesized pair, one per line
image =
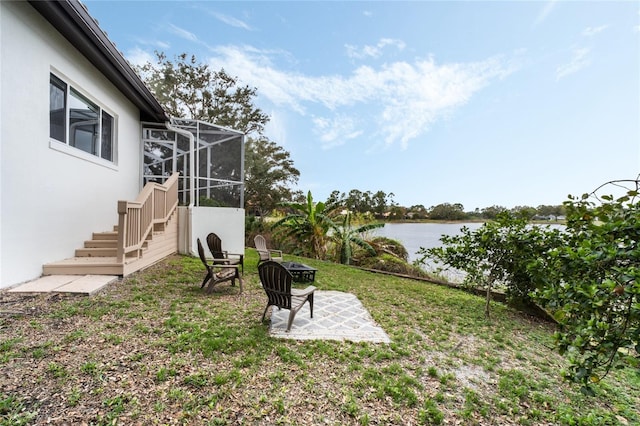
(73, 21)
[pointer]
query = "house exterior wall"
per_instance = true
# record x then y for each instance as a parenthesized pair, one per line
(53, 196)
(226, 222)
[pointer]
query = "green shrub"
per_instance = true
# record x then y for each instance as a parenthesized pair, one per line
(389, 263)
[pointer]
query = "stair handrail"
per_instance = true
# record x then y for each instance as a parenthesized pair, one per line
(136, 219)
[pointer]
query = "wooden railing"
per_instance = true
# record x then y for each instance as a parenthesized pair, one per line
(137, 219)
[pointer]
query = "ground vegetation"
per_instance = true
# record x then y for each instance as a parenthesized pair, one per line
(154, 349)
(586, 276)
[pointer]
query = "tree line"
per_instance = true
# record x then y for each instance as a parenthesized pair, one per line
(382, 207)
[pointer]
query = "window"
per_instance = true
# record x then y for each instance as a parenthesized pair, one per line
(78, 122)
(57, 108)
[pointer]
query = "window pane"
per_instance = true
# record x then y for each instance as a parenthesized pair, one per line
(83, 123)
(57, 108)
(106, 149)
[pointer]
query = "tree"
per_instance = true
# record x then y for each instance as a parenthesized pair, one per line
(497, 254)
(592, 285)
(380, 202)
(345, 235)
(447, 211)
(551, 211)
(418, 212)
(360, 202)
(189, 89)
(397, 213)
(269, 174)
(335, 201)
(308, 225)
(524, 211)
(492, 212)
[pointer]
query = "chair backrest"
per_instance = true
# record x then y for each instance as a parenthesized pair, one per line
(276, 282)
(261, 247)
(261, 243)
(215, 246)
(203, 258)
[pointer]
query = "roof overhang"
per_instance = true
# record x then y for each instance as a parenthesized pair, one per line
(71, 19)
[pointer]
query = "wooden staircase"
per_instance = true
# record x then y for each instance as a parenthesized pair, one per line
(98, 256)
(147, 233)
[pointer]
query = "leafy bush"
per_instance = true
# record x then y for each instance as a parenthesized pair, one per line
(497, 255)
(389, 246)
(389, 263)
(592, 286)
(587, 277)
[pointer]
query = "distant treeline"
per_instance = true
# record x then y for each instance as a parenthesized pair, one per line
(382, 206)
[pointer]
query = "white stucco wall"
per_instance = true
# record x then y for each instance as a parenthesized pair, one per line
(227, 223)
(51, 199)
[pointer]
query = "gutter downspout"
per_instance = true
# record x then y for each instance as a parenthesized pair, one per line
(192, 180)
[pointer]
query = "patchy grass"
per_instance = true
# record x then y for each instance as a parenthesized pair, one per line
(154, 349)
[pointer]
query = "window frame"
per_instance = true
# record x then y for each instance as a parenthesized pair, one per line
(94, 153)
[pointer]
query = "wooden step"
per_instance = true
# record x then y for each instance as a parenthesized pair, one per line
(112, 235)
(100, 244)
(98, 257)
(97, 252)
(84, 266)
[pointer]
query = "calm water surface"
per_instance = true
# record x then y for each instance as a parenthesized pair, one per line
(416, 235)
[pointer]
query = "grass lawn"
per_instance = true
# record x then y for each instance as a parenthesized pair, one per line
(154, 349)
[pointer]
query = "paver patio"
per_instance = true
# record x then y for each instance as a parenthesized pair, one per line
(336, 316)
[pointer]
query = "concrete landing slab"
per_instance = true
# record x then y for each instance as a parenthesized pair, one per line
(80, 284)
(336, 316)
(87, 284)
(43, 284)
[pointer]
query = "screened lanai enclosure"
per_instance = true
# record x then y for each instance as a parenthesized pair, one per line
(210, 162)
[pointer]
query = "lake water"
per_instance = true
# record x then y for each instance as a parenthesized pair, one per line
(413, 236)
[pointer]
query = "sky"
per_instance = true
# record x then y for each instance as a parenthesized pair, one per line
(482, 103)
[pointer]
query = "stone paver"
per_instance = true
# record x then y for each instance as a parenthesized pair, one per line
(336, 316)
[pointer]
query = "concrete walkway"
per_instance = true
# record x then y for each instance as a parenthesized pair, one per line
(336, 316)
(80, 284)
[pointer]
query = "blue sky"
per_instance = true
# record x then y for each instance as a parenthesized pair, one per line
(481, 103)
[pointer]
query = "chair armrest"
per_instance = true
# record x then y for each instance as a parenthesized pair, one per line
(303, 292)
(239, 255)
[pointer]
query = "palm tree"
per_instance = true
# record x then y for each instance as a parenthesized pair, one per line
(308, 225)
(345, 235)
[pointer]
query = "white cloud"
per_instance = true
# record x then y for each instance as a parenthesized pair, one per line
(373, 51)
(139, 57)
(230, 20)
(544, 13)
(182, 33)
(155, 43)
(403, 100)
(591, 31)
(225, 19)
(579, 60)
(276, 127)
(335, 131)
